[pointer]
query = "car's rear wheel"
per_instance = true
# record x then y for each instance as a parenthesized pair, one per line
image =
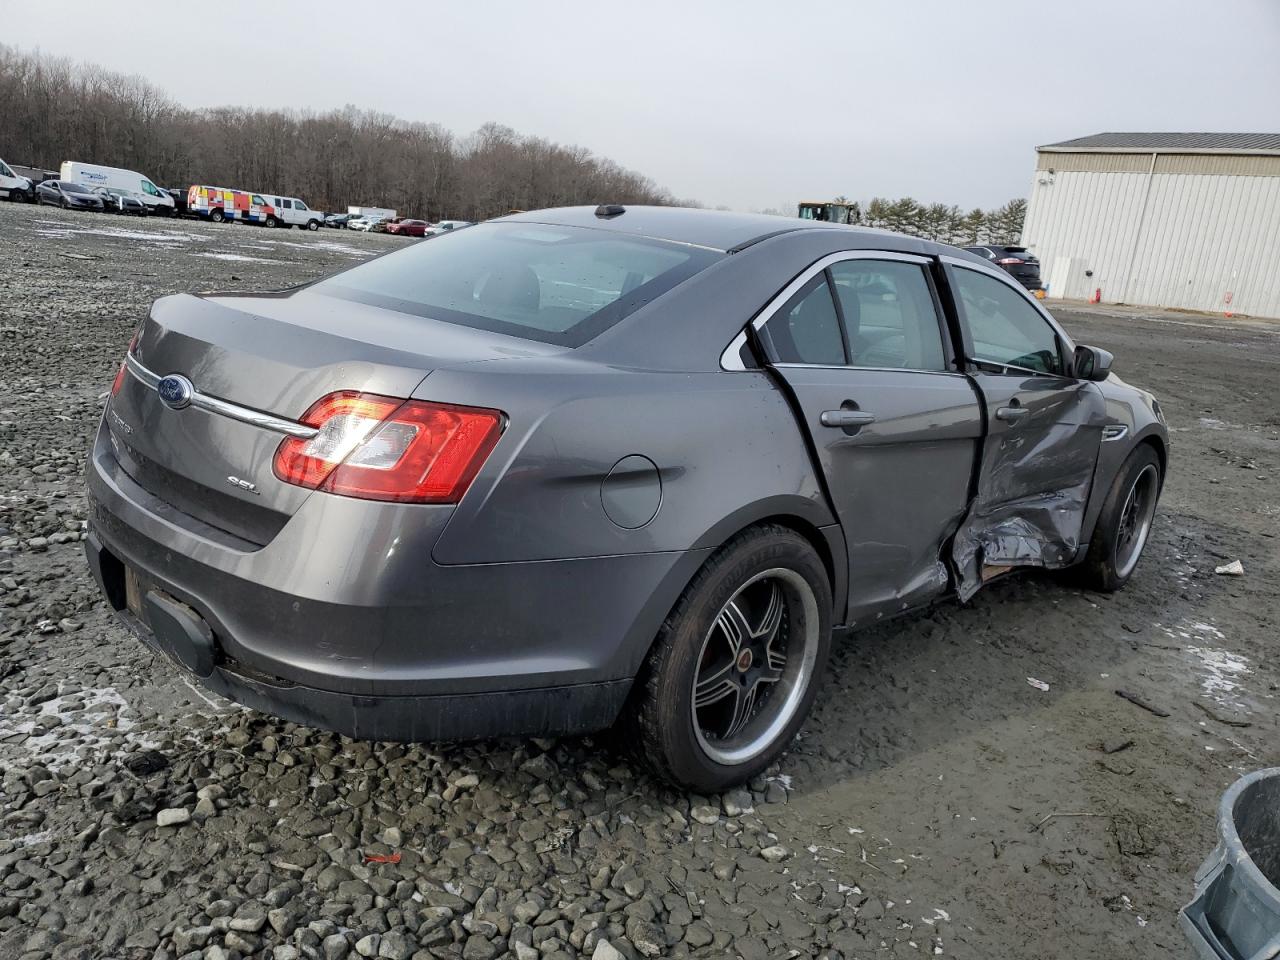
(1124, 524)
(736, 665)
(217, 216)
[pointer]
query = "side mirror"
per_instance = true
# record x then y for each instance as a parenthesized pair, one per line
(1092, 363)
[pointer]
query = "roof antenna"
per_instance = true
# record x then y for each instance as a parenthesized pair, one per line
(607, 210)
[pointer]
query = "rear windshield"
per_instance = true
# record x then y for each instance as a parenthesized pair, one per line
(561, 285)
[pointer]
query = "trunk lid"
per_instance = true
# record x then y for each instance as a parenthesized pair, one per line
(275, 354)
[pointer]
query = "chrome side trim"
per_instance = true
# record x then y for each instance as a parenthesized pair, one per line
(1114, 431)
(731, 359)
(805, 276)
(224, 408)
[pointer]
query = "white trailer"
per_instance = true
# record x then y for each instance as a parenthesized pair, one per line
(372, 213)
(126, 181)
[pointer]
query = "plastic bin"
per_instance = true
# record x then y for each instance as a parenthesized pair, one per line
(1235, 914)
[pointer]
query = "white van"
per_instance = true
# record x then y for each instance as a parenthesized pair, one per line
(292, 212)
(126, 181)
(13, 186)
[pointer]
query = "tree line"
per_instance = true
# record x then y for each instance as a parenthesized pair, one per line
(938, 221)
(52, 109)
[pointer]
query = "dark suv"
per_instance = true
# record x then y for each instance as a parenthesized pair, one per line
(1019, 261)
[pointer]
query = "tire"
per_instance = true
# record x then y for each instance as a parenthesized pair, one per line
(65, 205)
(1124, 524)
(217, 216)
(313, 224)
(767, 584)
(271, 222)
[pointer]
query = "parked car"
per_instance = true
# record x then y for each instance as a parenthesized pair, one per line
(581, 466)
(339, 221)
(117, 201)
(382, 224)
(444, 226)
(69, 196)
(294, 213)
(1018, 261)
(130, 181)
(363, 223)
(408, 228)
(15, 187)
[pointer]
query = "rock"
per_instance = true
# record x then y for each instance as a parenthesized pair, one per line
(541, 766)
(698, 935)
(368, 946)
(478, 947)
(334, 947)
(1233, 569)
(606, 951)
(705, 814)
(174, 817)
(775, 854)
(246, 943)
(395, 946)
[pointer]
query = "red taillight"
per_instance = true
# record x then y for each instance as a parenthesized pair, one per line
(1010, 261)
(383, 448)
(118, 382)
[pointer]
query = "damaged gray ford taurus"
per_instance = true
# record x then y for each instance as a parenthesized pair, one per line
(595, 465)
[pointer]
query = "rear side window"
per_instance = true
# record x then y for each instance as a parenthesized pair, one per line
(889, 315)
(1004, 327)
(556, 284)
(807, 328)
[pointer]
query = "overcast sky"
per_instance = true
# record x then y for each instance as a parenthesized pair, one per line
(746, 103)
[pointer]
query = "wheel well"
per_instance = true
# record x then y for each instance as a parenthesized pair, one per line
(811, 533)
(1161, 454)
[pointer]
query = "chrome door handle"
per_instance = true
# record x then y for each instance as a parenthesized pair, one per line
(1011, 414)
(846, 418)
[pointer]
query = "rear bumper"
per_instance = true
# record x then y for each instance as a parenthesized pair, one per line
(344, 621)
(181, 634)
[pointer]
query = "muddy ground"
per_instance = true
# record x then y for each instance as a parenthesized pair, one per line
(908, 820)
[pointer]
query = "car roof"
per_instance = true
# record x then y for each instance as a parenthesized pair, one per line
(715, 229)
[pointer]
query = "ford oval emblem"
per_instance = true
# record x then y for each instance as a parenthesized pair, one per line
(175, 391)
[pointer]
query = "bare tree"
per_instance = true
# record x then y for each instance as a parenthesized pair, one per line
(52, 109)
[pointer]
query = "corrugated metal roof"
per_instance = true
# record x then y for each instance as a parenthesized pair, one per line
(1171, 143)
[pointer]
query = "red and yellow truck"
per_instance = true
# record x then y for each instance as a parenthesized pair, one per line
(219, 204)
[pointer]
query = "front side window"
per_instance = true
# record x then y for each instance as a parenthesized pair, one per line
(4, 170)
(556, 284)
(299, 205)
(150, 188)
(807, 328)
(1004, 327)
(890, 319)
(258, 201)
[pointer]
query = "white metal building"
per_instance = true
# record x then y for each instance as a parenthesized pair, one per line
(1188, 220)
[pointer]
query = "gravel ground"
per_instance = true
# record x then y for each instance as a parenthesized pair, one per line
(143, 818)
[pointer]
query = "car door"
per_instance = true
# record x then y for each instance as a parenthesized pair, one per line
(860, 345)
(1044, 431)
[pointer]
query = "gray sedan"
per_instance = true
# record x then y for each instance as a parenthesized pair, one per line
(580, 467)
